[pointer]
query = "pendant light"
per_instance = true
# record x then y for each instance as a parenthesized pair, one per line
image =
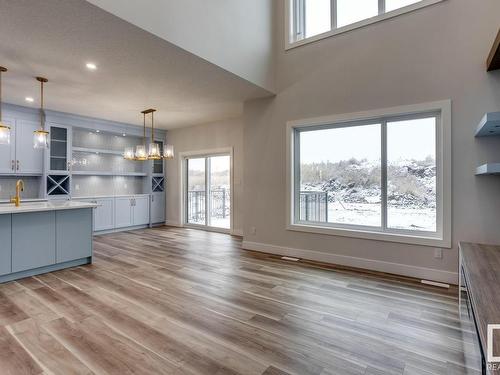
(168, 152)
(41, 136)
(154, 152)
(4, 129)
(140, 150)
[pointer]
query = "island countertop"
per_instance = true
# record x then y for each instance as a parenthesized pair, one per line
(10, 208)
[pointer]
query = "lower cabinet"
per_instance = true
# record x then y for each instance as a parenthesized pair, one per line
(5, 244)
(158, 208)
(123, 212)
(72, 241)
(104, 214)
(140, 210)
(33, 240)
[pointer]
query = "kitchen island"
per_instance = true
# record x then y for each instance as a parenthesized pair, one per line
(40, 237)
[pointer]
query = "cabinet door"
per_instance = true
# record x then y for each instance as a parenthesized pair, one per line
(73, 234)
(59, 151)
(28, 159)
(141, 210)
(157, 208)
(33, 240)
(5, 244)
(123, 212)
(7, 152)
(104, 214)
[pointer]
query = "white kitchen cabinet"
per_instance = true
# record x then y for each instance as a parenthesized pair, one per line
(28, 159)
(19, 157)
(140, 210)
(123, 212)
(158, 208)
(8, 152)
(104, 214)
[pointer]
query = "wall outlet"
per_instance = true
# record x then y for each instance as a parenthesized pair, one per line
(438, 253)
(253, 230)
(77, 187)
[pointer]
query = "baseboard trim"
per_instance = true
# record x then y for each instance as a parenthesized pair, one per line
(237, 232)
(176, 224)
(363, 263)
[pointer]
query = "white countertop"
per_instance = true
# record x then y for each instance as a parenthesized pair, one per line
(6, 208)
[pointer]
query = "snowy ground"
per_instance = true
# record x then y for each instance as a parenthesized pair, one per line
(369, 214)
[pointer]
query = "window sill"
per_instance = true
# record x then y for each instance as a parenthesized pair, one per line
(381, 17)
(435, 241)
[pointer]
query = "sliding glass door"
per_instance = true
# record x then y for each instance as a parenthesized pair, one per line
(208, 191)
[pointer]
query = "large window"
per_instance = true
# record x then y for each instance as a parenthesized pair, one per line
(313, 19)
(382, 175)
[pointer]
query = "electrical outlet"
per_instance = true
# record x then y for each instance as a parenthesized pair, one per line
(77, 187)
(253, 230)
(438, 253)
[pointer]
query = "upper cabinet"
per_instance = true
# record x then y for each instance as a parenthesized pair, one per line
(19, 157)
(59, 149)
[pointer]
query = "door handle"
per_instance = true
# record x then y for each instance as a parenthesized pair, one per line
(17, 165)
(13, 165)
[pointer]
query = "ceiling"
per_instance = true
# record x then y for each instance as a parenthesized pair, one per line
(136, 70)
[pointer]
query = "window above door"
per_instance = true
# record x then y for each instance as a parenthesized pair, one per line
(311, 20)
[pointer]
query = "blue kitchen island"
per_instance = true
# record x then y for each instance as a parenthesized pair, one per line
(40, 237)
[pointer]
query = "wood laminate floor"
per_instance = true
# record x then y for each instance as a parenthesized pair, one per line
(180, 301)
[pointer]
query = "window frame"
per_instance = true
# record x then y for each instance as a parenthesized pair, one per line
(442, 236)
(295, 20)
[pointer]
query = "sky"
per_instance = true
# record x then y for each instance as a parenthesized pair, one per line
(348, 11)
(413, 139)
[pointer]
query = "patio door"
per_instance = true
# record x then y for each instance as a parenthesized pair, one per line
(208, 191)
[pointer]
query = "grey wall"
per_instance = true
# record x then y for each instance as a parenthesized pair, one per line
(212, 136)
(233, 34)
(435, 53)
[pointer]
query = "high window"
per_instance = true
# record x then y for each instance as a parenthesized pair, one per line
(314, 19)
(382, 175)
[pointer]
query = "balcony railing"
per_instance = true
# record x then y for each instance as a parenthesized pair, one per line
(313, 206)
(219, 205)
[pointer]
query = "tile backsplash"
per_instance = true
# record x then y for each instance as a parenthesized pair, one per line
(31, 187)
(89, 186)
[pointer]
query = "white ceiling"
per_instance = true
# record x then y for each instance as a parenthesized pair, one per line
(136, 70)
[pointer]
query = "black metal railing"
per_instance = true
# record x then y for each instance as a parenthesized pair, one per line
(220, 204)
(313, 206)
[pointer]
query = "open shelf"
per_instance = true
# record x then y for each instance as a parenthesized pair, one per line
(488, 169)
(97, 151)
(493, 62)
(103, 173)
(489, 125)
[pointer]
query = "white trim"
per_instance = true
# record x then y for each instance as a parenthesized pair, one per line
(443, 160)
(237, 232)
(181, 167)
(380, 17)
(355, 262)
(170, 223)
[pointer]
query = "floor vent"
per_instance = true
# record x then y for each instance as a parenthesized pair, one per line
(290, 259)
(435, 283)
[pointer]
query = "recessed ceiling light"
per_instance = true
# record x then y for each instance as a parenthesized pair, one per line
(29, 99)
(91, 66)
(97, 131)
(124, 134)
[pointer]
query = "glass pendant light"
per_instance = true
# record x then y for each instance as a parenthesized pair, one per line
(41, 136)
(154, 152)
(140, 150)
(4, 129)
(168, 152)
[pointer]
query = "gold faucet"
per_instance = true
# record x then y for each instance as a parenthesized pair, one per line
(17, 199)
